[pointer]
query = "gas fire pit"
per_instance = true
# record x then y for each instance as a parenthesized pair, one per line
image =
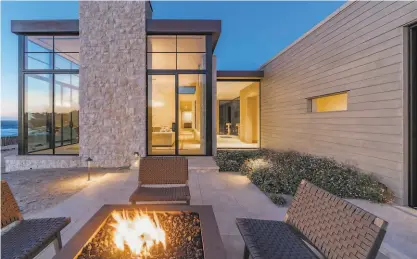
(147, 231)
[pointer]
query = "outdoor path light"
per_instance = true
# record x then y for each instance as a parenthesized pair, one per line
(89, 160)
(136, 163)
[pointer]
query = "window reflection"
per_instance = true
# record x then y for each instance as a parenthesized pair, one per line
(38, 109)
(66, 114)
(39, 44)
(66, 61)
(38, 60)
(47, 52)
(51, 101)
(66, 44)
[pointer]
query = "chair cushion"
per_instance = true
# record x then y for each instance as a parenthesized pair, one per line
(181, 193)
(29, 236)
(272, 240)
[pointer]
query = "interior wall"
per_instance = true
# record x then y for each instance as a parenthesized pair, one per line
(336, 102)
(249, 113)
(217, 116)
(164, 115)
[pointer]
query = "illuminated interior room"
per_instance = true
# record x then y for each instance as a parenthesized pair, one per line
(238, 114)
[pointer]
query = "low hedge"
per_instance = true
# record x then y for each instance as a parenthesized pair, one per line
(232, 160)
(281, 172)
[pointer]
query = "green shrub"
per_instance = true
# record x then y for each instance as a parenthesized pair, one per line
(281, 172)
(277, 199)
(232, 160)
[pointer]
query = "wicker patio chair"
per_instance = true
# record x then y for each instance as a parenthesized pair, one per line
(317, 225)
(25, 238)
(169, 171)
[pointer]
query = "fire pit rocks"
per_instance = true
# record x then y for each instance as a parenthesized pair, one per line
(147, 231)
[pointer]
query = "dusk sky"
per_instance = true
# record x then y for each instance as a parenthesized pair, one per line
(252, 32)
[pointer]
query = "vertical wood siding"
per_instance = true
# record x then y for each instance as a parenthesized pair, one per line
(359, 50)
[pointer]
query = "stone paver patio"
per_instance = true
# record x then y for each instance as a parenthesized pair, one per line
(231, 196)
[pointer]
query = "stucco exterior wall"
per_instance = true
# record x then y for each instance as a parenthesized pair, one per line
(112, 81)
(360, 50)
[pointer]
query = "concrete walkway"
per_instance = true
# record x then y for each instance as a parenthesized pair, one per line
(230, 194)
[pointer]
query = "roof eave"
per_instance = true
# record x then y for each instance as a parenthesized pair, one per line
(45, 27)
(240, 74)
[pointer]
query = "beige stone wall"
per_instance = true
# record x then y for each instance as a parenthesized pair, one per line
(360, 50)
(112, 81)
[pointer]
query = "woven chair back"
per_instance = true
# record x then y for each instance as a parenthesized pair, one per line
(337, 228)
(163, 170)
(9, 209)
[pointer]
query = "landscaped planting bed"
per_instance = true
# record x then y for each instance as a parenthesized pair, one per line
(281, 172)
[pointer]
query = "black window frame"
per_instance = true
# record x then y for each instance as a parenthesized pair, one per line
(412, 117)
(176, 52)
(22, 72)
(208, 72)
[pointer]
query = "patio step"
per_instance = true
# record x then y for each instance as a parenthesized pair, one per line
(202, 164)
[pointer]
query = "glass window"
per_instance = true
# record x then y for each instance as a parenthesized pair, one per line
(161, 114)
(191, 114)
(162, 61)
(328, 103)
(66, 114)
(38, 60)
(191, 44)
(192, 61)
(38, 113)
(182, 52)
(38, 43)
(52, 52)
(51, 101)
(65, 61)
(66, 44)
(161, 43)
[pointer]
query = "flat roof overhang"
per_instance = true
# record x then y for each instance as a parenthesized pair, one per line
(190, 27)
(45, 27)
(240, 74)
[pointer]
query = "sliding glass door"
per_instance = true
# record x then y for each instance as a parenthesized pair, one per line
(161, 115)
(176, 114)
(191, 114)
(179, 69)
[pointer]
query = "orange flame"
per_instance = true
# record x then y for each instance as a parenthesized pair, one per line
(139, 233)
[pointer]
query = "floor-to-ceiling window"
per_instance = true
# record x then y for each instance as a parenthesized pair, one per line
(49, 95)
(177, 94)
(238, 114)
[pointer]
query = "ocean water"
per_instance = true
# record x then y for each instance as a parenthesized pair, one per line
(8, 128)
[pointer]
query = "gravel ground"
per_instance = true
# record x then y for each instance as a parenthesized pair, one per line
(183, 240)
(37, 190)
